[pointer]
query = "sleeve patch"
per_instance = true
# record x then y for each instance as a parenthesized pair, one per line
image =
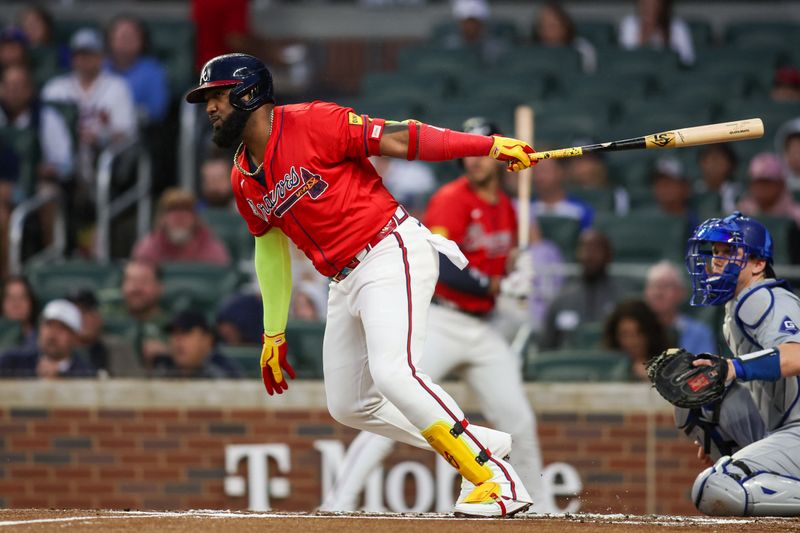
(354, 120)
(376, 131)
(788, 326)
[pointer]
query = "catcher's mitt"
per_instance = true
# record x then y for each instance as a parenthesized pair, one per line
(683, 384)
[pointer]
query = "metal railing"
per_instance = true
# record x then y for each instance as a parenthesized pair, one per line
(187, 146)
(109, 208)
(17, 226)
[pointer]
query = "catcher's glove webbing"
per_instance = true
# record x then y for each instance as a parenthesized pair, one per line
(684, 385)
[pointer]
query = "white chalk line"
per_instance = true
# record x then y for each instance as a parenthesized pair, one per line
(678, 521)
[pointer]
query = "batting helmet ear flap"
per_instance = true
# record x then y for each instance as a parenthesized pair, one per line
(258, 85)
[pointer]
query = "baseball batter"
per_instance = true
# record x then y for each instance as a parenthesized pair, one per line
(474, 212)
(301, 173)
(730, 262)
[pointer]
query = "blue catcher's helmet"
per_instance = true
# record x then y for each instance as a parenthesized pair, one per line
(244, 73)
(740, 233)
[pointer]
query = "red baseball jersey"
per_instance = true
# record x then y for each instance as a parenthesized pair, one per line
(485, 233)
(322, 191)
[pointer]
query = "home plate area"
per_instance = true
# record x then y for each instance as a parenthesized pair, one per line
(40, 520)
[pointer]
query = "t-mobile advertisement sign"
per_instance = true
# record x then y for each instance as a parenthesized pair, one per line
(384, 491)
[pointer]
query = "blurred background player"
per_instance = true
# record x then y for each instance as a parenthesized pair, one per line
(474, 212)
(730, 263)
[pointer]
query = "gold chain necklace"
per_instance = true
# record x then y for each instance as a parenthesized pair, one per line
(241, 146)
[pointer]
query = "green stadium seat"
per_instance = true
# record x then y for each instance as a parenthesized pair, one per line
(452, 113)
(425, 59)
(660, 114)
(10, 334)
(633, 241)
(562, 231)
(600, 32)
(707, 204)
(516, 88)
(305, 347)
(607, 86)
(587, 336)
(540, 60)
(601, 200)
(199, 285)
(640, 61)
(172, 42)
(247, 357)
(631, 169)
(231, 230)
(781, 229)
(446, 31)
(25, 143)
(579, 366)
(741, 32)
(398, 86)
(702, 33)
(774, 114)
(57, 280)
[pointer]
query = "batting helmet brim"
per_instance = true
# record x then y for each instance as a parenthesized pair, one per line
(196, 95)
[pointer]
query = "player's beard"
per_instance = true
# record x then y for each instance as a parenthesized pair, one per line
(230, 132)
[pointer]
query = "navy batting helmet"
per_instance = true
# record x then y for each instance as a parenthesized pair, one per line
(711, 287)
(246, 74)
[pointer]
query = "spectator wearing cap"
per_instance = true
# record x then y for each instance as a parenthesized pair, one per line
(239, 320)
(472, 17)
(787, 143)
(767, 193)
(105, 104)
(672, 190)
(193, 351)
(55, 354)
(110, 355)
(180, 234)
(786, 85)
(128, 57)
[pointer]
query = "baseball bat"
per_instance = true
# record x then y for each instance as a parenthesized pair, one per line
(738, 130)
(523, 130)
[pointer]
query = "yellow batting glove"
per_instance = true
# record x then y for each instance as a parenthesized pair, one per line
(273, 363)
(512, 151)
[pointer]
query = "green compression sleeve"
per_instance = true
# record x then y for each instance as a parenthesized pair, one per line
(274, 273)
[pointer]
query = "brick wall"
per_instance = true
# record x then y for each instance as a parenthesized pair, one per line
(172, 458)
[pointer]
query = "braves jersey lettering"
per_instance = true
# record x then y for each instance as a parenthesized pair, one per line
(321, 190)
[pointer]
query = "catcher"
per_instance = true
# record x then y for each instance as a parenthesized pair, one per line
(744, 412)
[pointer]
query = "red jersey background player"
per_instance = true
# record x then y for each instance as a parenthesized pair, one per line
(301, 173)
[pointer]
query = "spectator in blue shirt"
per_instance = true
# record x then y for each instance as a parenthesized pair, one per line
(551, 196)
(128, 57)
(665, 292)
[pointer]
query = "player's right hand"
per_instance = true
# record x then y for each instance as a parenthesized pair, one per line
(512, 151)
(274, 364)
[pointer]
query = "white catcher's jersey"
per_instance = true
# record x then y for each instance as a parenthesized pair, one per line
(765, 315)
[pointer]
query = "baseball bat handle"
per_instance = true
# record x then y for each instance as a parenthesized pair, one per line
(738, 130)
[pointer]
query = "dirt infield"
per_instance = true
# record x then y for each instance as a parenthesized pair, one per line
(38, 520)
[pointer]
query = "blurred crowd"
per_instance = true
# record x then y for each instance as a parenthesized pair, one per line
(64, 103)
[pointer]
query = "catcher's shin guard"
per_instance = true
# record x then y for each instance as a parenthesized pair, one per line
(450, 443)
(732, 488)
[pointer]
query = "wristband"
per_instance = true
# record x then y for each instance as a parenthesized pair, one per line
(764, 365)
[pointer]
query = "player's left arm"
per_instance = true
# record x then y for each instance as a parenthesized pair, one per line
(415, 140)
(273, 267)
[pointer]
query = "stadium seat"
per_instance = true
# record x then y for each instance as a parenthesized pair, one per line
(702, 33)
(10, 333)
(57, 280)
(172, 42)
(399, 86)
(607, 86)
(452, 113)
(305, 347)
(425, 59)
(781, 230)
(516, 88)
(630, 169)
(25, 143)
(601, 200)
(644, 237)
(231, 230)
(562, 231)
(641, 61)
(448, 30)
(774, 114)
(600, 32)
(540, 60)
(199, 285)
(742, 32)
(578, 365)
(587, 336)
(248, 358)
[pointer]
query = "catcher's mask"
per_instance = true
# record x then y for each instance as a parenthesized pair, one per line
(739, 233)
(244, 74)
